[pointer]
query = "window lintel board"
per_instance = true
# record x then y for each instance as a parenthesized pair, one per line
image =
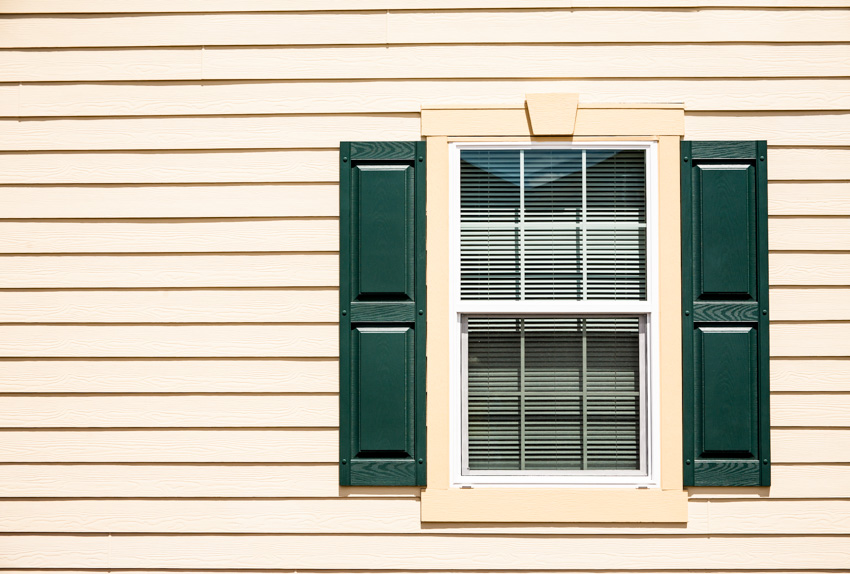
(664, 124)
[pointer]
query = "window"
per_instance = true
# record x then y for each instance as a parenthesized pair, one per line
(657, 128)
(553, 304)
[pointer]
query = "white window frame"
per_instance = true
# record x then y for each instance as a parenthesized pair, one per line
(648, 310)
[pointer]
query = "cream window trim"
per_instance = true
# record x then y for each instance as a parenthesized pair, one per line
(663, 124)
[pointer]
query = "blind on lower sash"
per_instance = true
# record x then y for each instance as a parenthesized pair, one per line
(553, 394)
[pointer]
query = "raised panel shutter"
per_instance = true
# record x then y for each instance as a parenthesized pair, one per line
(382, 313)
(725, 314)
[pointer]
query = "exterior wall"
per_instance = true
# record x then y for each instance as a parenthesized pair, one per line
(168, 285)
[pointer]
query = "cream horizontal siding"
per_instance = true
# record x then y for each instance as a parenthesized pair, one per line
(407, 95)
(169, 273)
(802, 374)
(295, 165)
(169, 445)
(206, 132)
(387, 516)
(299, 131)
(147, 236)
(320, 480)
(169, 270)
(435, 551)
(186, 201)
(242, 375)
(268, 340)
(266, 166)
(175, 411)
(425, 27)
(429, 61)
(292, 200)
(184, 306)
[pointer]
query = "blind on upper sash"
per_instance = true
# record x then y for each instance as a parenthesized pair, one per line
(553, 224)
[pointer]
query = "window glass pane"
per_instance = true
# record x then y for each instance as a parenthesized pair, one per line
(616, 185)
(553, 394)
(490, 180)
(553, 224)
(494, 367)
(616, 263)
(489, 212)
(552, 181)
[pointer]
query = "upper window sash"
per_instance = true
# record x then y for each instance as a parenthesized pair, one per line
(507, 247)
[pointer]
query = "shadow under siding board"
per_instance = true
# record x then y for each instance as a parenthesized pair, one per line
(194, 6)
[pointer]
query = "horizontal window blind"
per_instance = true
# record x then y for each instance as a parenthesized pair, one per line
(552, 224)
(553, 394)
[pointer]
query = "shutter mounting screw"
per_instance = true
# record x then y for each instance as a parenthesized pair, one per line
(421, 312)
(421, 158)
(685, 158)
(687, 313)
(764, 311)
(344, 312)
(765, 461)
(761, 158)
(344, 461)
(688, 461)
(421, 461)
(344, 158)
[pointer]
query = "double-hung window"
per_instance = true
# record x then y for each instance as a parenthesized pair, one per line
(553, 298)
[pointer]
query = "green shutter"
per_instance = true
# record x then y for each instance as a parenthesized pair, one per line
(725, 314)
(382, 313)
